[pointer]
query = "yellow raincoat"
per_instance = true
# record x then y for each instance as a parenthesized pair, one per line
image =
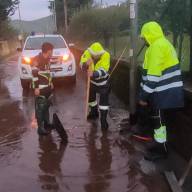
(162, 84)
(100, 65)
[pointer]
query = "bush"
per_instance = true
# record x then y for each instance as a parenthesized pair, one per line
(99, 23)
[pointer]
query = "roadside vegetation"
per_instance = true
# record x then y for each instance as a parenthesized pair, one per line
(110, 25)
(7, 8)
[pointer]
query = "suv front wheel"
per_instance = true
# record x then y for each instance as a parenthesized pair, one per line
(73, 79)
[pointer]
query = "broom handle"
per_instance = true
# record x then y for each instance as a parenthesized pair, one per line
(87, 96)
(117, 63)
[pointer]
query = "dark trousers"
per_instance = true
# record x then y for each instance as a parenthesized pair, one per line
(42, 105)
(150, 119)
(158, 118)
(103, 96)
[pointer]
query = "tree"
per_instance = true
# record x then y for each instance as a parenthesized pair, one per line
(150, 10)
(174, 16)
(6, 31)
(72, 6)
(66, 15)
(170, 13)
(190, 32)
(102, 24)
(7, 8)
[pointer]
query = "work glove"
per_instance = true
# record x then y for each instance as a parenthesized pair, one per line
(85, 67)
(95, 75)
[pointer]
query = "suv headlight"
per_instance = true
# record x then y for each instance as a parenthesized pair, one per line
(66, 57)
(26, 60)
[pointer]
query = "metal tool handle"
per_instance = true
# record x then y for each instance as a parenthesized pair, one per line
(183, 178)
(87, 95)
(117, 63)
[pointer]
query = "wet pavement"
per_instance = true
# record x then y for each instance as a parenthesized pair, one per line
(91, 162)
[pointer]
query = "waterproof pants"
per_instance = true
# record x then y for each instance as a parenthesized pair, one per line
(103, 92)
(42, 105)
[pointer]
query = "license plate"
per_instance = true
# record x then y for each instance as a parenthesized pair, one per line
(56, 69)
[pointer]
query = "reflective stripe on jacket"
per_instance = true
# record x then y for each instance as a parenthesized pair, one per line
(41, 75)
(162, 84)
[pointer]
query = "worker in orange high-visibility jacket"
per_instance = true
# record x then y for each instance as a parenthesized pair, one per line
(97, 61)
(43, 87)
(161, 86)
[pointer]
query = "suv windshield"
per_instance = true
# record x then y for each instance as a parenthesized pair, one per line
(36, 42)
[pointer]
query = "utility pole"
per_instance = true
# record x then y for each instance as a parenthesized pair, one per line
(20, 37)
(52, 8)
(133, 9)
(66, 15)
(55, 15)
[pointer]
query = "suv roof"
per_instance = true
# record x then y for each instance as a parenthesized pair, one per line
(34, 42)
(45, 35)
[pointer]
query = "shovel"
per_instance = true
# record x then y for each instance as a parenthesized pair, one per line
(57, 125)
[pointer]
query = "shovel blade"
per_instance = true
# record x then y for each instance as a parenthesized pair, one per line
(59, 128)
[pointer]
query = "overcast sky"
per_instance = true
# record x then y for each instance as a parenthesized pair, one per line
(32, 9)
(35, 9)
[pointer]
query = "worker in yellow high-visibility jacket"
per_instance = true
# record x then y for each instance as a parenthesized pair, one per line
(161, 86)
(97, 60)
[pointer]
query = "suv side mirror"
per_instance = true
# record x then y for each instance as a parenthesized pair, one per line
(19, 49)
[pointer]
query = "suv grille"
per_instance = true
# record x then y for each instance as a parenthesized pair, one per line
(55, 60)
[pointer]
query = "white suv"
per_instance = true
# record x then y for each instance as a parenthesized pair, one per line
(62, 63)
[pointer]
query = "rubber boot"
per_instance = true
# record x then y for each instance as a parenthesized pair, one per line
(93, 114)
(49, 126)
(104, 123)
(41, 130)
(40, 109)
(157, 152)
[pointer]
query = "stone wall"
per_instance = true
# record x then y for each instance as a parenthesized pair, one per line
(8, 47)
(4, 48)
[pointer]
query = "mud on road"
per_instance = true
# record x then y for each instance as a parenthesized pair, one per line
(91, 162)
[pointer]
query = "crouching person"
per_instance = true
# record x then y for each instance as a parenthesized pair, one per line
(97, 61)
(161, 86)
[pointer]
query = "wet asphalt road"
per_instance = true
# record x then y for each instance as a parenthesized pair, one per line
(91, 162)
